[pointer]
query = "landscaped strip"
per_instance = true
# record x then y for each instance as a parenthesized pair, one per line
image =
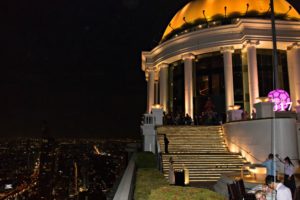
(151, 184)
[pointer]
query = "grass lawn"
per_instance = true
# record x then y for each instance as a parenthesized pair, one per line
(183, 193)
(151, 185)
(146, 181)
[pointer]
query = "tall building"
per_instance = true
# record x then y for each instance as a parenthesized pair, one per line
(223, 50)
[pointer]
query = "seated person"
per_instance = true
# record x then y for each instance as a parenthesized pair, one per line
(260, 195)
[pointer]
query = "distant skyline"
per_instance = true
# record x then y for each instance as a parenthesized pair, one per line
(76, 64)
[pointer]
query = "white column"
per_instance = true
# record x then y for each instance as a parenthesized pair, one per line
(228, 73)
(151, 91)
(188, 84)
(290, 56)
(293, 59)
(252, 73)
(163, 86)
(156, 91)
(297, 73)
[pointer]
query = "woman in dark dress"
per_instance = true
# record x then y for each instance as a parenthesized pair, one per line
(289, 179)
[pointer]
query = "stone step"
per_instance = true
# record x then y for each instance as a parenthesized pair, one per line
(189, 127)
(217, 141)
(178, 134)
(186, 162)
(195, 145)
(201, 149)
(206, 156)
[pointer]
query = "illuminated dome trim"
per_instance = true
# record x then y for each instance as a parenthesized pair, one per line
(204, 12)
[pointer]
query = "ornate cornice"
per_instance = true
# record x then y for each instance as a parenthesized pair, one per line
(227, 49)
(245, 32)
(188, 56)
(294, 45)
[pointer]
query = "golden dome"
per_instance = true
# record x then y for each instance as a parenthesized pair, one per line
(210, 10)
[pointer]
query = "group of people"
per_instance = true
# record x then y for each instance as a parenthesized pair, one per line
(245, 115)
(177, 119)
(285, 190)
(205, 118)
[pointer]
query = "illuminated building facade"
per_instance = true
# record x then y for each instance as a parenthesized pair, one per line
(223, 50)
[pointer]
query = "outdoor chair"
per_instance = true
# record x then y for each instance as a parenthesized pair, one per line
(233, 192)
(242, 190)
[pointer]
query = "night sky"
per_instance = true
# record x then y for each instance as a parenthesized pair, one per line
(76, 64)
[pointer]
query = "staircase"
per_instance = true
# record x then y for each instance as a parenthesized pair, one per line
(201, 149)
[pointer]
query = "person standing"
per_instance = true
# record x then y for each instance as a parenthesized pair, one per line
(271, 167)
(171, 172)
(166, 141)
(289, 179)
(282, 192)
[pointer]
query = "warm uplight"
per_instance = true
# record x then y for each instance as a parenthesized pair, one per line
(192, 10)
(258, 170)
(234, 107)
(157, 106)
(263, 99)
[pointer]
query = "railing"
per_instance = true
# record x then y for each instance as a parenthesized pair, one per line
(149, 119)
(242, 148)
(126, 186)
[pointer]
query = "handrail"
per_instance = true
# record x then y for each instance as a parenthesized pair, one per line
(126, 186)
(246, 151)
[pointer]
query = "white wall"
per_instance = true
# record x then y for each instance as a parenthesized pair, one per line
(254, 137)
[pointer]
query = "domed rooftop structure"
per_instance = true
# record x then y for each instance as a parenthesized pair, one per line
(205, 13)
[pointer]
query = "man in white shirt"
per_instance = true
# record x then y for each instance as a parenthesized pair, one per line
(282, 192)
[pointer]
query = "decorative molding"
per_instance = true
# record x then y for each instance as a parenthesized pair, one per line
(187, 56)
(227, 49)
(295, 45)
(251, 43)
(151, 68)
(163, 65)
(245, 32)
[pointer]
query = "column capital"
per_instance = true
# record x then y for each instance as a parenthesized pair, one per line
(151, 69)
(187, 56)
(154, 70)
(227, 49)
(163, 65)
(250, 43)
(294, 45)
